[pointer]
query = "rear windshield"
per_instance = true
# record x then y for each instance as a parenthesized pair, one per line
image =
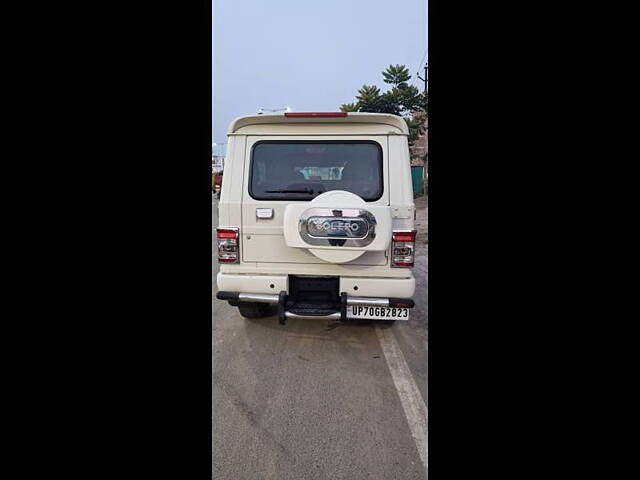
(301, 170)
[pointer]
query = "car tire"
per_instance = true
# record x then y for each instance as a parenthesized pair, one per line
(253, 309)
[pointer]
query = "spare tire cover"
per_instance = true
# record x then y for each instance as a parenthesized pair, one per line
(337, 199)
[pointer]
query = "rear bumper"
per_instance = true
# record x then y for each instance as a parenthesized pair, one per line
(340, 313)
(274, 299)
(355, 286)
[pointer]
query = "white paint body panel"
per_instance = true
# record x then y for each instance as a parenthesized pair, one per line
(263, 232)
(366, 286)
(251, 283)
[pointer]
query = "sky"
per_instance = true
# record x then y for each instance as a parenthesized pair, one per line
(310, 55)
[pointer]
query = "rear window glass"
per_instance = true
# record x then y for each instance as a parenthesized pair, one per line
(303, 170)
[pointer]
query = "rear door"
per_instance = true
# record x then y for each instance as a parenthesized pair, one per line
(310, 164)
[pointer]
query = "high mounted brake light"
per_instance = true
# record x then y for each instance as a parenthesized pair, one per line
(314, 114)
(403, 248)
(228, 245)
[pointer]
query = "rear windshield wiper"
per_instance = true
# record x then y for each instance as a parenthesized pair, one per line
(306, 190)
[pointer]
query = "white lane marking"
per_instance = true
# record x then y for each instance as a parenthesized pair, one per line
(414, 408)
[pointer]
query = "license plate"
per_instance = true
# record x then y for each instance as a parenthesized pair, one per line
(377, 313)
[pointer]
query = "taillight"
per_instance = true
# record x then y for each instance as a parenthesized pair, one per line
(403, 248)
(228, 245)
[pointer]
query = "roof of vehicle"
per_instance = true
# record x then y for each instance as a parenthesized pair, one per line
(350, 118)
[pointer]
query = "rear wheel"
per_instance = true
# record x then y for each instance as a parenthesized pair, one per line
(254, 309)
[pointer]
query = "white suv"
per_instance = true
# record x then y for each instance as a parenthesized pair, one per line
(317, 217)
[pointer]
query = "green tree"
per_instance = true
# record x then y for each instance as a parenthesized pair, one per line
(402, 99)
(396, 75)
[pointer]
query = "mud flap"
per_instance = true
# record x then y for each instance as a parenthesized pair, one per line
(343, 307)
(282, 300)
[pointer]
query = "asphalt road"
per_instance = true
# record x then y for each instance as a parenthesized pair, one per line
(317, 399)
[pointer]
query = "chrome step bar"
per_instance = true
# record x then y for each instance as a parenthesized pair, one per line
(331, 316)
(273, 298)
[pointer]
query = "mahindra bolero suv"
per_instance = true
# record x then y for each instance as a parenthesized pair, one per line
(316, 217)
